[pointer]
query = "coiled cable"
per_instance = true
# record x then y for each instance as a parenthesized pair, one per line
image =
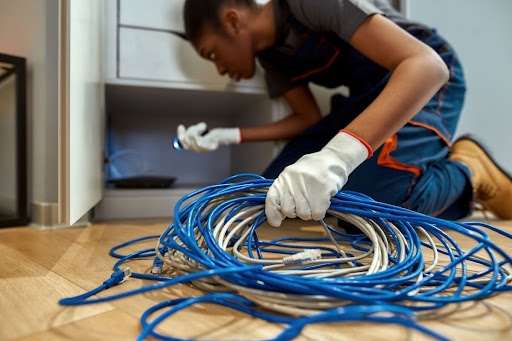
(401, 264)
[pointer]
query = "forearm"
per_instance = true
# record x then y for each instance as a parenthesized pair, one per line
(413, 83)
(283, 129)
(305, 113)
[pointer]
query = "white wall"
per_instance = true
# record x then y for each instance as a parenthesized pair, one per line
(29, 28)
(481, 33)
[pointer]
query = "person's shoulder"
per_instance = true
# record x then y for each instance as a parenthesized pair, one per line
(312, 10)
(301, 6)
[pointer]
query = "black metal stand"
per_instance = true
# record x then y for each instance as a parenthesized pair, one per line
(19, 70)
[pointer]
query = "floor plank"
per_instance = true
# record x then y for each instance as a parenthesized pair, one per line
(28, 304)
(40, 267)
(114, 325)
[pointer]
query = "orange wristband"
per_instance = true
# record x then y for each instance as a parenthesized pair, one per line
(370, 150)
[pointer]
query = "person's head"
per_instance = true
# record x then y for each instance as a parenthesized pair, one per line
(218, 30)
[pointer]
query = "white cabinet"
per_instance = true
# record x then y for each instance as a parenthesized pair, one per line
(154, 14)
(155, 81)
(81, 120)
(143, 48)
(146, 55)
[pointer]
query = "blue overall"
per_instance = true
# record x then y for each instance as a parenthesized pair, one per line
(411, 169)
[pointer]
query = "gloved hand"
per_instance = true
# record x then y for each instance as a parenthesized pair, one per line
(305, 188)
(193, 138)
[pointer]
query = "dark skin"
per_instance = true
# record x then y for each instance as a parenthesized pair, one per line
(417, 72)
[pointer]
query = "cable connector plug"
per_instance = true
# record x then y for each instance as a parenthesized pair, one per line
(118, 277)
(303, 257)
(157, 266)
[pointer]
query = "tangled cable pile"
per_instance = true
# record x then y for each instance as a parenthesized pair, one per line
(402, 263)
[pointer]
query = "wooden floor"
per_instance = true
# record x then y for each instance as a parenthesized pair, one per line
(40, 267)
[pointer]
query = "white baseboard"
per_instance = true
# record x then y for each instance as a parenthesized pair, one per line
(139, 203)
(45, 217)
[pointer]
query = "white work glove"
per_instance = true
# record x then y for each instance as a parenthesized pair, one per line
(192, 138)
(305, 188)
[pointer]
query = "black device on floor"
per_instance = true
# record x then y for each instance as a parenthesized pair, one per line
(143, 182)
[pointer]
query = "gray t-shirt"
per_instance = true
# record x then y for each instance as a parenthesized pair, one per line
(334, 21)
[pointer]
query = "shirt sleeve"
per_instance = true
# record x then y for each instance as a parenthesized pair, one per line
(342, 17)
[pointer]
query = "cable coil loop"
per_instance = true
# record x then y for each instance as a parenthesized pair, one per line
(402, 262)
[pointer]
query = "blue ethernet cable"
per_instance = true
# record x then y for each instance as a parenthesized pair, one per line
(201, 220)
(399, 315)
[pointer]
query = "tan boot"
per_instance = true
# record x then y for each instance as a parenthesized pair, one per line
(492, 186)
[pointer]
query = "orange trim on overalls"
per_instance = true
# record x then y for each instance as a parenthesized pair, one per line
(386, 160)
(307, 74)
(426, 126)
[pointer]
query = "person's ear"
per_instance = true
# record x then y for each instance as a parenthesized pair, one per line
(232, 21)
